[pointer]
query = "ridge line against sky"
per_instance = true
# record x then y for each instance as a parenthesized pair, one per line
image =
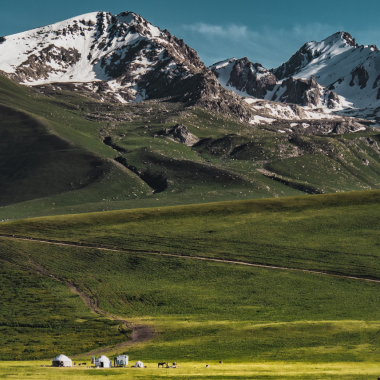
(265, 32)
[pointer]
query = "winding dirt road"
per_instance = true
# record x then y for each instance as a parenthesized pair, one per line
(144, 333)
(80, 245)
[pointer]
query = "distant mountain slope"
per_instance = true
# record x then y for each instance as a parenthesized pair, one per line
(252, 79)
(340, 64)
(120, 58)
(335, 74)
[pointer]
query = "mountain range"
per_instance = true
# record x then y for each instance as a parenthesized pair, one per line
(125, 58)
(125, 111)
(334, 74)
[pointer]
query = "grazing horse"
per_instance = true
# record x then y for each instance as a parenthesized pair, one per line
(162, 365)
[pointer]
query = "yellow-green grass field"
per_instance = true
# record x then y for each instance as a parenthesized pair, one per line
(196, 370)
(143, 266)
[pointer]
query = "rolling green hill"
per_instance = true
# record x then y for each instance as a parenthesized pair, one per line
(207, 310)
(144, 242)
(63, 152)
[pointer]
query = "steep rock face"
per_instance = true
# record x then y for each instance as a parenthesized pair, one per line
(122, 57)
(306, 93)
(245, 76)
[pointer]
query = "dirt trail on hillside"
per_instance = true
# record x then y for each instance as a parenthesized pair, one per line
(140, 333)
(80, 245)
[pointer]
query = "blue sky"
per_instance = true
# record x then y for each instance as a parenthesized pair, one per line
(265, 31)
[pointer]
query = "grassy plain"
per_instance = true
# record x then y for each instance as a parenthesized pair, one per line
(196, 370)
(262, 322)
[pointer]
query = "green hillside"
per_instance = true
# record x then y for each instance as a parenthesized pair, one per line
(63, 152)
(207, 310)
(223, 248)
(332, 232)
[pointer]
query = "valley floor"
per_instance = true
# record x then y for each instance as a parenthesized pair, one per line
(198, 370)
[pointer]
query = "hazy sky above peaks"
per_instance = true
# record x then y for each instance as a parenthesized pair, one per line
(268, 32)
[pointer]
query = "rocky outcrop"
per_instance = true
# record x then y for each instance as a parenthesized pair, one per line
(339, 127)
(306, 93)
(333, 100)
(249, 77)
(362, 76)
(371, 143)
(348, 39)
(180, 133)
(42, 64)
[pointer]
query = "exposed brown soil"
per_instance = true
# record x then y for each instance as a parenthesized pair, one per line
(141, 333)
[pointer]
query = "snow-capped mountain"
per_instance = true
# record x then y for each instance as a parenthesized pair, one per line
(340, 64)
(244, 77)
(335, 74)
(121, 58)
(123, 50)
(252, 79)
(125, 58)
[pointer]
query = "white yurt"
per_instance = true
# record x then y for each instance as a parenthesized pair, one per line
(121, 360)
(62, 361)
(139, 364)
(103, 362)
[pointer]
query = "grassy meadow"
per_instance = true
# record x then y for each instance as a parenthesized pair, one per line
(332, 232)
(193, 371)
(41, 317)
(261, 322)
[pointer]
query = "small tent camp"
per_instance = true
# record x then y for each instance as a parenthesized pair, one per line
(62, 361)
(121, 360)
(103, 362)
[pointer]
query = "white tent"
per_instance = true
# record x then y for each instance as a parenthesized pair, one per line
(103, 362)
(62, 361)
(139, 364)
(121, 360)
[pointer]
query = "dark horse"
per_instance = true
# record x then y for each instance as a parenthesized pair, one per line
(162, 365)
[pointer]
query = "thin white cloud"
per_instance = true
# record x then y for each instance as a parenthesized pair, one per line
(232, 31)
(269, 46)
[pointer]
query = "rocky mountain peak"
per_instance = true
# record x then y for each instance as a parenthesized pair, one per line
(244, 77)
(124, 50)
(348, 38)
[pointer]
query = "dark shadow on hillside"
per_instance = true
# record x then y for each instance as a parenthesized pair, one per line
(35, 163)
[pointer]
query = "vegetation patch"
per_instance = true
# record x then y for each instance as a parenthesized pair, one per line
(41, 318)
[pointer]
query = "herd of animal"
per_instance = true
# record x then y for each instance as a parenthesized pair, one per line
(166, 365)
